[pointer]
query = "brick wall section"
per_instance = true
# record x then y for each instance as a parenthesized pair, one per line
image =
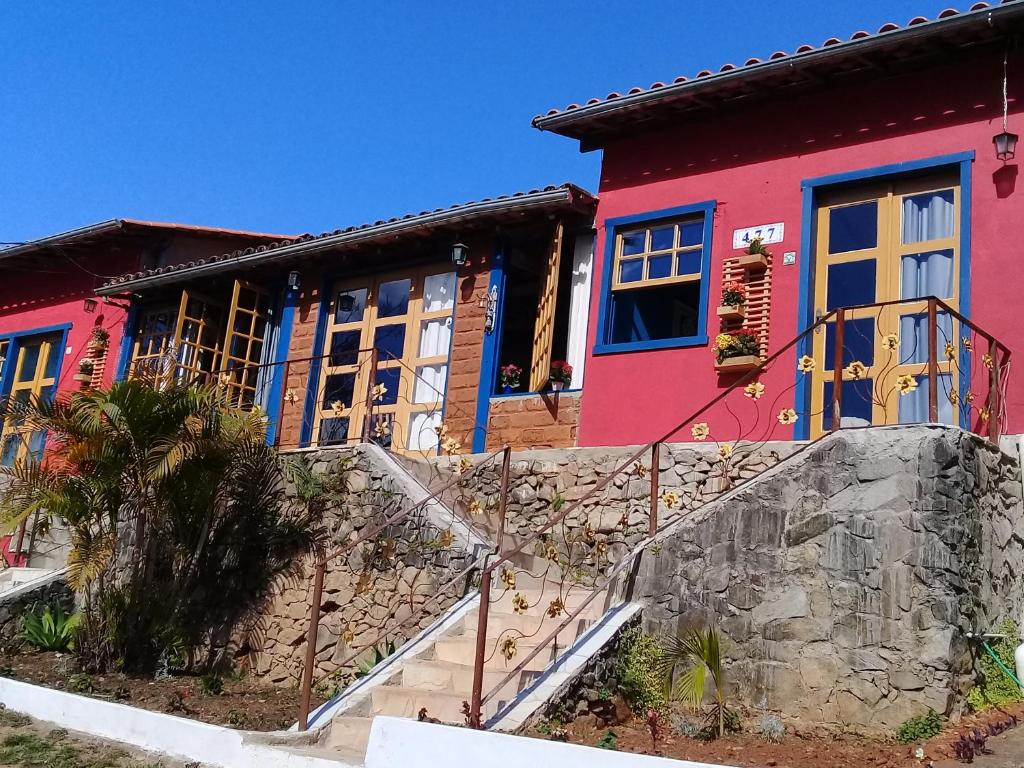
(467, 343)
(300, 346)
(536, 421)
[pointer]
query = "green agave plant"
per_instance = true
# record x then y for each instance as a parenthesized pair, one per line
(51, 630)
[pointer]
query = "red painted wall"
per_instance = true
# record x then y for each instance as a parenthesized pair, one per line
(752, 163)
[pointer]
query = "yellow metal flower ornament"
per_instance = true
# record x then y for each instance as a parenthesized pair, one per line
(856, 370)
(787, 416)
(754, 390)
(805, 364)
(700, 431)
(725, 451)
(519, 603)
(670, 499)
(891, 341)
(508, 648)
(906, 384)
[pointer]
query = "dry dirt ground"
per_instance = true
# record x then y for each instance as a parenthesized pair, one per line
(242, 704)
(810, 749)
(25, 743)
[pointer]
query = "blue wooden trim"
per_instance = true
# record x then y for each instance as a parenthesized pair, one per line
(124, 354)
(546, 392)
(805, 311)
(889, 170)
(285, 321)
(602, 346)
(15, 341)
(805, 303)
(306, 435)
(490, 352)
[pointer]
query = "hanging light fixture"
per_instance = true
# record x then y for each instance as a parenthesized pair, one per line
(346, 302)
(1005, 142)
(89, 305)
(294, 280)
(460, 254)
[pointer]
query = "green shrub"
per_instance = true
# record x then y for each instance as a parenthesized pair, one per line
(608, 741)
(639, 672)
(51, 629)
(995, 687)
(920, 728)
(81, 682)
(212, 684)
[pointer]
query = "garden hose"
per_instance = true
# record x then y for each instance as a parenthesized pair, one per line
(1002, 666)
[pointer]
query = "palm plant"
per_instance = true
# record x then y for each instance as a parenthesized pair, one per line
(174, 507)
(698, 652)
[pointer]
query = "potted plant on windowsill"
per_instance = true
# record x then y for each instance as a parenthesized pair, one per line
(85, 369)
(756, 256)
(560, 375)
(510, 374)
(734, 301)
(737, 351)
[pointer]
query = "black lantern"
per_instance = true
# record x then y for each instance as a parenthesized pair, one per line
(294, 280)
(346, 302)
(1005, 144)
(460, 254)
(89, 305)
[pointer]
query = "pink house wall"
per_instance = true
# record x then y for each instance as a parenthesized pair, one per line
(752, 162)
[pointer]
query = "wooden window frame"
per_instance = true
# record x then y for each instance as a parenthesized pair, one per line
(647, 254)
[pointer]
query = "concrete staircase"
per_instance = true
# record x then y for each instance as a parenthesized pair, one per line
(435, 680)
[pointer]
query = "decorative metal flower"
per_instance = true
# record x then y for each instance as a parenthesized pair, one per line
(363, 584)
(555, 607)
(508, 648)
(725, 451)
(805, 364)
(754, 390)
(700, 431)
(379, 390)
(450, 445)
(856, 370)
(906, 384)
(441, 430)
(381, 429)
(551, 552)
(954, 397)
(967, 343)
(519, 603)
(290, 396)
(225, 378)
(639, 470)
(670, 499)
(508, 578)
(984, 414)
(446, 538)
(475, 507)
(465, 465)
(987, 361)
(588, 533)
(337, 408)
(347, 635)
(787, 416)
(891, 341)
(969, 397)
(950, 350)
(601, 548)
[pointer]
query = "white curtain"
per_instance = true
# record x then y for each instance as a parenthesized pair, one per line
(435, 337)
(927, 274)
(579, 306)
(914, 337)
(422, 435)
(439, 292)
(430, 383)
(930, 216)
(913, 407)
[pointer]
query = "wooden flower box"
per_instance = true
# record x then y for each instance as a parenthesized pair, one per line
(85, 378)
(753, 261)
(731, 312)
(739, 364)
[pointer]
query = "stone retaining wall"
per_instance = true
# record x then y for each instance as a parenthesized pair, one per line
(845, 582)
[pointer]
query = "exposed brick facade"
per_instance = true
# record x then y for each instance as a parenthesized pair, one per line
(535, 421)
(300, 347)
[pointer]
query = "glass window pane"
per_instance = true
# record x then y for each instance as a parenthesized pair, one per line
(243, 322)
(913, 406)
(9, 450)
(344, 347)
(333, 430)
(435, 337)
(350, 305)
(634, 242)
(29, 361)
(439, 292)
(422, 435)
(247, 298)
(691, 233)
(630, 271)
(855, 408)
(928, 216)
(52, 357)
(663, 238)
(850, 283)
(689, 263)
(239, 346)
(927, 274)
(390, 341)
(858, 342)
(659, 266)
(390, 378)
(914, 337)
(662, 312)
(338, 388)
(393, 298)
(430, 381)
(853, 227)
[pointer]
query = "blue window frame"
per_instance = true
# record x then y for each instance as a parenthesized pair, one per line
(656, 274)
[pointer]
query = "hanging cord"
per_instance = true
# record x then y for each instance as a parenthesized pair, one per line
(1006, 102)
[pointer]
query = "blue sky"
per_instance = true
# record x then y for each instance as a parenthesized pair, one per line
(305, 116)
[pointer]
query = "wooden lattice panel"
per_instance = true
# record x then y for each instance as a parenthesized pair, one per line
(759, 289)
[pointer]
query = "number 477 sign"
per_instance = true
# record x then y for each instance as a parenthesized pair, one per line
(769, 233)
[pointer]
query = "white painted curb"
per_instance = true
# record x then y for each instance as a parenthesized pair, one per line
(153, 731)
(400, 743)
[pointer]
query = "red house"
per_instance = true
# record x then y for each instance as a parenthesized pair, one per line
(56, 334)
(874, 173)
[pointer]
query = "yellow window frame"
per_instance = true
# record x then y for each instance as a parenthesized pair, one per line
(648, 253)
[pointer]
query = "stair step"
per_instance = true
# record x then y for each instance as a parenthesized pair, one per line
(343, 757)
(445, 676)
(349, 733)
(539, 601)
(462, 650)
(399, 701)
(536, 625)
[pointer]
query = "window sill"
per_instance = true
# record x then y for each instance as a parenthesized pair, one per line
(641, 346)
(503, 396)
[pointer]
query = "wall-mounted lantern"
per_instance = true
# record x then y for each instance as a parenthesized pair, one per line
(460, 254)
(1005, 142)
(346, 302)
(294, 280)
(89, 305)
